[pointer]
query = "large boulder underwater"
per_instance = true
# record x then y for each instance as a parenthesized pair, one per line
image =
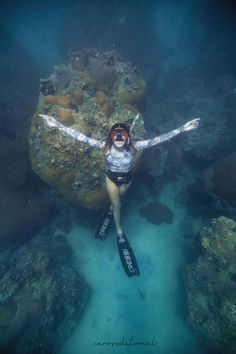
(220, 178)
(211, 287)
(89, 93)
(42, 296)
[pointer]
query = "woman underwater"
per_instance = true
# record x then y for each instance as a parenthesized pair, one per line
(120, 153)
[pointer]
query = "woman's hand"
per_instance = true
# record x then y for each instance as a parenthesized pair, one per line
(51, 122)
(191, 125)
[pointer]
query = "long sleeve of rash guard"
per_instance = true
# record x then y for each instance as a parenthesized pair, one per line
(145, 144)
(52, 122)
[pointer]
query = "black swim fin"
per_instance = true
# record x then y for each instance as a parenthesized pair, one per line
(103, 227)
(127, 258)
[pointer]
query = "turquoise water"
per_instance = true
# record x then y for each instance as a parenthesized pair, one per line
(141, 314)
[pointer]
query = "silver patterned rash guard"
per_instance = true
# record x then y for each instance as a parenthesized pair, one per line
(118, 159)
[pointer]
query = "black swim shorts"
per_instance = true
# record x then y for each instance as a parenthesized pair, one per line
(120, 178)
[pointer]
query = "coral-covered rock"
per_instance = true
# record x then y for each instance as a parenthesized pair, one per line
(105, 102)
(50, 99)
(62, 77)
(101, 97)
(91, 103)
(132, 90)
(220, 178)
(102, 73)
(63, 101)
(42, 297)
(211, 287)
(20, 215)
(77, 96)
(66, 117)
(14, 165)
(24, 312)
(21, 212)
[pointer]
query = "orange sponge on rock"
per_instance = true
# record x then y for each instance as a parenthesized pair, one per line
(63, 101)
(65, 117)
(50, 99)
(77, 96)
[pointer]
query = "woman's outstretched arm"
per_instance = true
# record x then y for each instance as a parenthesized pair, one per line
(52, 122)
(145, 144)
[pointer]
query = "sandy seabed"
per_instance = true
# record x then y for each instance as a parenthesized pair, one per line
(140, 314)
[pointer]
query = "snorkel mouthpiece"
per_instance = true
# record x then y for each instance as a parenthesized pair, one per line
(120, 136)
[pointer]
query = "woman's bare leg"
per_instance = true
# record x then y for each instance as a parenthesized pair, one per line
(114, 194)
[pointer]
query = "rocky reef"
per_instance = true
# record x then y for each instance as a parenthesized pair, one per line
(23, 205)
(211, 287)
(90, 93)
(42, 296)
(213, 192)
(220, 178)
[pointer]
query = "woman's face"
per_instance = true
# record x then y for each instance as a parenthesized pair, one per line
(119, 137)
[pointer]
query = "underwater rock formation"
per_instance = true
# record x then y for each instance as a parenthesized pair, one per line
(14, 165)
(22, 209)
(157, 213)
(211, 287)
(42, 297)
(220, 178)
(92, 92)
(20, 215)
(213, 193)
(17, 315)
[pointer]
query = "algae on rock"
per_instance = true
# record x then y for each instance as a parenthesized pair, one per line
(211, 287)
(42, 296)
(91, 93)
